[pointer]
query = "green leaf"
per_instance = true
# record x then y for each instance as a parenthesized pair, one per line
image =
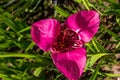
(94, 58)
(118, 45)
(37, 71)
(5, 77)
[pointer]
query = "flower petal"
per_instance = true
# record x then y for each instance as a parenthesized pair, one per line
(85, 22)
(44, 33)
(71, 64)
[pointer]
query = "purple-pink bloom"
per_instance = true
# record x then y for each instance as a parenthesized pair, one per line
(66, 41)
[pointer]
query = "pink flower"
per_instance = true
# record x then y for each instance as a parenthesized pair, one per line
(66, 41)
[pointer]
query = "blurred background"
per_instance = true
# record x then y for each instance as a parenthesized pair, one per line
(21, 59)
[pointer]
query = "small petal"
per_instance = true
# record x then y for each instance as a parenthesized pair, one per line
(44, 33)
(85, 22)
(71, 64)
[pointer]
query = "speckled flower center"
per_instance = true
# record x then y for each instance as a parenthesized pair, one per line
(66, 41)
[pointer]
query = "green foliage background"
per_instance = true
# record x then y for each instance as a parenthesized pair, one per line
(21, 59)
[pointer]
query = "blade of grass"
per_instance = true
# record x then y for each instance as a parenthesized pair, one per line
(95, 45)
(90, 47)
(85, 4)
(94, 75)
(110, 32)
(30, 46)
(109, 74)
(25, 29)
(94, 58)
(98, 46)
(61, 11)
(8, 54)
(9, 23)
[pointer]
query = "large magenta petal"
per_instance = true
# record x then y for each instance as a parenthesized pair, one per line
(71, 64)
(85, 22)
(44, 33)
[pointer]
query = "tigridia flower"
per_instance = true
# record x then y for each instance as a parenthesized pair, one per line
(66, 40)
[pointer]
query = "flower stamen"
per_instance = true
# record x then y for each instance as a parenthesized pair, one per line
(66, 41)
